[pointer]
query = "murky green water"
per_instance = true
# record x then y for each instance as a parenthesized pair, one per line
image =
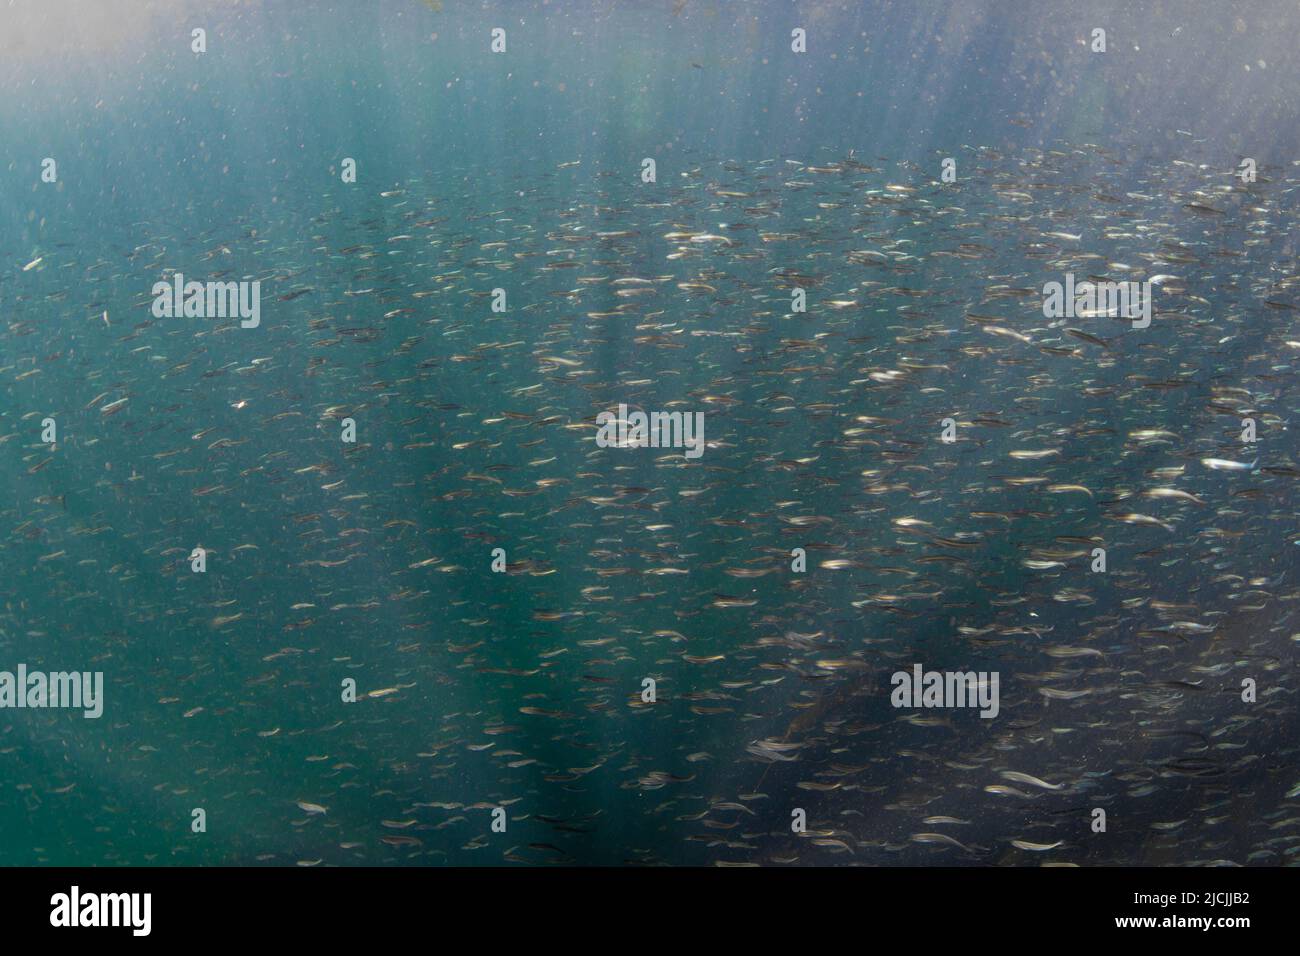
(797, 269)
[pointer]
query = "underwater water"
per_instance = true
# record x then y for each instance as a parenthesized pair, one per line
(370, 577)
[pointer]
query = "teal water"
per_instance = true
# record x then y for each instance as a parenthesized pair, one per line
(522, 170)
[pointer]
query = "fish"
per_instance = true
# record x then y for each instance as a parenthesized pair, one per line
(113, 407)
(1016, 776)
(1036, 847)
(1223, 464)
(397, 549)
(941, 839)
